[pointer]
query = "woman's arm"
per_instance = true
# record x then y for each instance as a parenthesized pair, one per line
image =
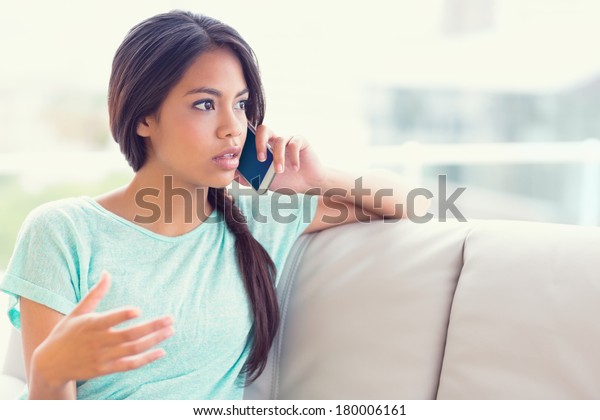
(60, 349)
(348, 198)
(344, 197)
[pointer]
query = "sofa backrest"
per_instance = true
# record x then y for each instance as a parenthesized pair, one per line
(525, 320)
(366, 314)
(476, 310)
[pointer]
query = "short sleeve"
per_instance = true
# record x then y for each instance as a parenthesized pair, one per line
(43, 266)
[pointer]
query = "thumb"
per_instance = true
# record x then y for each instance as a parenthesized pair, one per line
(94, 296)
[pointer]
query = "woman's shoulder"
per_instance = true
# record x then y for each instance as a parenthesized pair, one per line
(255, 207)
(276, 209)
(58, 213)
(278, 201)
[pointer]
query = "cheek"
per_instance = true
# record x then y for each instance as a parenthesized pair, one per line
(183, 128)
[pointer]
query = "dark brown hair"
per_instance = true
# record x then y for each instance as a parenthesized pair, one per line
(149, 62)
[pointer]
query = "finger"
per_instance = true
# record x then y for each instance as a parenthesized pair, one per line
(133, 362)
(278, 145)
(262, 137)
(293, 151)
(137, 347)
(139, 331)
(94, 296)
(114, 317)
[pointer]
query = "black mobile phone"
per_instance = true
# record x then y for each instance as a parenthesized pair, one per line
(258, 174)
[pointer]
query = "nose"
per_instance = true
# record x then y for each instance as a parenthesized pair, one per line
(230, 126)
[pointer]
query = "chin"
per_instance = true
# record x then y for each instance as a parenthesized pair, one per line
(221, 183)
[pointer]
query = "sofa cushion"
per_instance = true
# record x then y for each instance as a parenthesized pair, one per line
(367, 313)
(524, 321)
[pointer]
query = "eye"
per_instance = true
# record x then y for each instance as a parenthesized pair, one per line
(205, 105)
(241, 105)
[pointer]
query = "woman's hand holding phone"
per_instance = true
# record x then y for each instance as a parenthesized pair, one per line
(84, 344)
(294, 162)
(257, 173)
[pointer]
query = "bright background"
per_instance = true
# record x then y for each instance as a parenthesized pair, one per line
(502, 96)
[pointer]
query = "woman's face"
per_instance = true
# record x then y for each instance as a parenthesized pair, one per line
(200, 129)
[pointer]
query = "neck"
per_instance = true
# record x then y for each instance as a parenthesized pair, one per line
(164, 204)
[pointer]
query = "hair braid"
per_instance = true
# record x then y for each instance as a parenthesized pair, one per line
(258, 271)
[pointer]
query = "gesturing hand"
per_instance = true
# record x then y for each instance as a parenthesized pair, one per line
(84, 344)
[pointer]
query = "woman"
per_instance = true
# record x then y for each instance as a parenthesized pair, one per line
(100, 284)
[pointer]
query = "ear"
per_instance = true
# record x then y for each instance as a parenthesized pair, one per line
(143, 128)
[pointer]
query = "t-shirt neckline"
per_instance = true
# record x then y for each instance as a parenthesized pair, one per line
(212, 218)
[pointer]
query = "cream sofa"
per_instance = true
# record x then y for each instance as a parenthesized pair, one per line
(475, 310)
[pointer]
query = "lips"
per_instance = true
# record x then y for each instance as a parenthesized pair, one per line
(228, 159)
(229, 153)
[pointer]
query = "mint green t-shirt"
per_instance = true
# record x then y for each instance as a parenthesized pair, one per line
(63, 246)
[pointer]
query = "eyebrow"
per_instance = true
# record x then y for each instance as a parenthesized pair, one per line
(214, 92)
